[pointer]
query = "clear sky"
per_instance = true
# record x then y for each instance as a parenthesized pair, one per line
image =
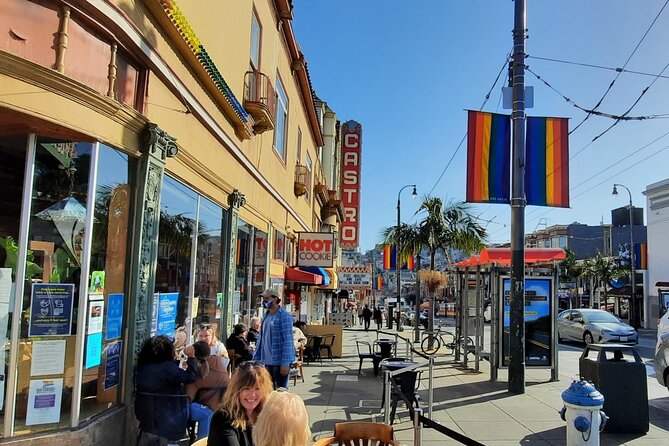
(407, 71)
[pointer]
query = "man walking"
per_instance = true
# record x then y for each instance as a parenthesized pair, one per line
(275, 347)
(378, 317)
(367, 316)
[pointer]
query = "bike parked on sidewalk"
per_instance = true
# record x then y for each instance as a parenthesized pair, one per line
(434, 340)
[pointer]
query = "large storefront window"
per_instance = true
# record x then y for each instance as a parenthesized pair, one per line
(242, 294)
(189, 276)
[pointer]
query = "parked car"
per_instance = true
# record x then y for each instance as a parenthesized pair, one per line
(590, 325)
(661, 362)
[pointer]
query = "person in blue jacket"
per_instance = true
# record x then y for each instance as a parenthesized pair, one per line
(275, 345)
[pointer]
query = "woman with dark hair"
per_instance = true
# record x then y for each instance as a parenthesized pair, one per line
(158, 374)
(248, 389)
(237, 342)
(206, 393)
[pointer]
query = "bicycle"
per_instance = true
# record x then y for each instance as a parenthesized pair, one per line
(434, 340)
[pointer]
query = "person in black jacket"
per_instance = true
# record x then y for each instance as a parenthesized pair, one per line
(237, 342)
(367, 316)
(159, 373)
(245, 397)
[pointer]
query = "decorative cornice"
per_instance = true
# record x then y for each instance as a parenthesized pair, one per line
(159, 143)
(54, 82)
(236, 199)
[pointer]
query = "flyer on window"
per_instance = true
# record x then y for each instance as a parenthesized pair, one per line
(114, 316)
(96, 306)
(44, 397)
(48, 358)
(51, 309)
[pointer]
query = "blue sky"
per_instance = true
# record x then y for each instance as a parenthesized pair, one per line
(407, 71)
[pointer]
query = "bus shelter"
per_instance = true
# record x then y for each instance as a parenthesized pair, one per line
(484, 280)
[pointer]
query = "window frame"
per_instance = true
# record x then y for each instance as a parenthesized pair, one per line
(282, 106)
(255, 20)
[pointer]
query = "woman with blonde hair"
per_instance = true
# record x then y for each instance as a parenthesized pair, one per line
(244, 399)
(283, 421)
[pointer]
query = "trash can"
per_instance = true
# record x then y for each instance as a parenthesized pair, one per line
(619, 374)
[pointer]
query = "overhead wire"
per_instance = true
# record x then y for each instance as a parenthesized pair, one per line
(602, 67)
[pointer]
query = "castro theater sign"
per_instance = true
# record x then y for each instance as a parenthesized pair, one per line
(315, 249)
(351, 163)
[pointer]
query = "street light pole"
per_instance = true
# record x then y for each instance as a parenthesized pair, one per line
(397, 256)
(632, 305)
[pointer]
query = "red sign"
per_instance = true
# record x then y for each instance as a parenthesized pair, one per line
(351, 162)
(315, 249)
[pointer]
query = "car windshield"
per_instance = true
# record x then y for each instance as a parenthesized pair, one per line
(600, 316)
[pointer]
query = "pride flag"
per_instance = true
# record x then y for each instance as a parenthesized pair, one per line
(488, 157)
(547, 162)
(389, 259)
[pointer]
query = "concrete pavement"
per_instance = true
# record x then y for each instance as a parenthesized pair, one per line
(464, 400)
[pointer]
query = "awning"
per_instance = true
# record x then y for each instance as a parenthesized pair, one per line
(300, 276)
(325, 277)
(334, 280)
(502, 256)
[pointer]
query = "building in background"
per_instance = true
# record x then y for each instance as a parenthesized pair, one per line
(657, 292)
(159, 160)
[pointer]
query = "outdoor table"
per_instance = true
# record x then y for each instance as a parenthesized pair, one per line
(386, 347)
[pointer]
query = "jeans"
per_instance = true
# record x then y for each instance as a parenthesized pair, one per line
(367, 321)
(277, 378)
(202, 414)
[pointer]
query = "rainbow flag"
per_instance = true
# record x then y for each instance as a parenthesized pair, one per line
(488, 157)
(379, 283)
(389, 259)
(547, 162)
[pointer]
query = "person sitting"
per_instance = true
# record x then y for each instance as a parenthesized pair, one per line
(243, 402)
(237, 342)
(299, 339)
(158, 372)
(206, 393)
(206, 333)
(254, 330)
(283, 421)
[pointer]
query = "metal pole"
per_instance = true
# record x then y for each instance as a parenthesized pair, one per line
(517, 316)
(417, 434)
(397, 264)
(632, 305)
(416, 319)
(386, 398)
(430, 388)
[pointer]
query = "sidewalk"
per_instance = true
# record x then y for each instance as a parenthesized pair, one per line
(464, 400)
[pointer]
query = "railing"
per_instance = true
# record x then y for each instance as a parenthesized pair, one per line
(260, 99)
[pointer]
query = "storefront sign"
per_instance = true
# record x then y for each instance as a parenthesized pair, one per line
(51, 309)
(48, 358)
(315, 249)
(44, 397)
(538, 321)
(354, 277)
(167, 313)
(350, 184)
(114, 316)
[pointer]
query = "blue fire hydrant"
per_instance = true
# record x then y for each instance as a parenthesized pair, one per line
(583, 414)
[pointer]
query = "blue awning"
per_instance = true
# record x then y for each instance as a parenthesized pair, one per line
(320, 272)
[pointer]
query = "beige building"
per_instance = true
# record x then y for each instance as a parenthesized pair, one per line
(159, 159)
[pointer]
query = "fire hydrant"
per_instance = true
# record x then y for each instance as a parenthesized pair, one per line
(583, 414)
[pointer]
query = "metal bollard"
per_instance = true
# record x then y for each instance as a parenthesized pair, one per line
(582, 412)
(417, 433)
(386, 404)
(430, 388)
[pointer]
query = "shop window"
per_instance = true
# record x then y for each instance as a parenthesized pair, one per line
(279, 246)
(259, 262)
(242, 298)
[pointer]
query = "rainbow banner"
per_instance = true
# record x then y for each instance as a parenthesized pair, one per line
(488, 157)
(547, 162)
(379, 283)
(389, 259)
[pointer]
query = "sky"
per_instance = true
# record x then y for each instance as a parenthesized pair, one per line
(408, 71)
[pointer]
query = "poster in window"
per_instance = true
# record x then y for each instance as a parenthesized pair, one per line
(51, 309)
(96, 306)
(44, 397)
(114, 316)
(113, 365)
(167, 313)
(93, 350)
(97, 285)
(538, 321)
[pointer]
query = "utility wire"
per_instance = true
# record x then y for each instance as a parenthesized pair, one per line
(601, 67)
(623, 67)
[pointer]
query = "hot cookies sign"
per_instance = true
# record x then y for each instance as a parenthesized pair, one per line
(315, 249)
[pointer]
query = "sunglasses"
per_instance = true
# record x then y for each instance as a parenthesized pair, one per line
(250, 364)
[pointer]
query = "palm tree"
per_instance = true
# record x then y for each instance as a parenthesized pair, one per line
(570, 268)
(603, 269)
(441, 228)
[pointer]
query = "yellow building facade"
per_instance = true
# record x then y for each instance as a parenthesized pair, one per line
(160, 158)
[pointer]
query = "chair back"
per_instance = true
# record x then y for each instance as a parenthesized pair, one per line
(234, 360)
(363, 433)
(328, 340)
(163, 415)
(366, 347)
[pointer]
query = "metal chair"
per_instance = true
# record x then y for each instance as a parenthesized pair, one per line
(166, 416)
(358, 433)
(365, 352)
(312, 351)
(296, 370)
(328, 342)
(408, 382)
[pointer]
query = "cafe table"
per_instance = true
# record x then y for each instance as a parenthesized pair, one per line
(386, 347)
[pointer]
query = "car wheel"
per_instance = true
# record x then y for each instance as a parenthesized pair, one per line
(587, 338)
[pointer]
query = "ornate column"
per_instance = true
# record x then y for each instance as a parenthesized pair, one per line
(157, 146)
(235, 200)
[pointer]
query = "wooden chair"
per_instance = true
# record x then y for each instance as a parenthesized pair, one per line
(234, 358)
(360, 434)
(200, 442)
(296, 367)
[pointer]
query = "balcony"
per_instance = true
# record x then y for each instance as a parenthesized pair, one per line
(332, 206)
(302, 180)
(260, 100)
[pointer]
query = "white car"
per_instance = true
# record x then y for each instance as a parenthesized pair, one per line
(661, 362)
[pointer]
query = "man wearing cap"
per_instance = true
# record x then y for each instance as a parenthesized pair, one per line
(274, 347)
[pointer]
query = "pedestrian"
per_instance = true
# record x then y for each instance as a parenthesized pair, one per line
(237, 342)
(254, 331)
(275, 346)
(367, 316)
(242, 403)
(360, 315)
(283, 421)
(378, 317)
(206, 393)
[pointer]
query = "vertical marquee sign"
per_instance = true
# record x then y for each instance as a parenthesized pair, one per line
(351, 162)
